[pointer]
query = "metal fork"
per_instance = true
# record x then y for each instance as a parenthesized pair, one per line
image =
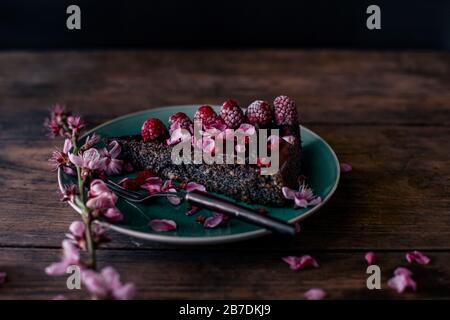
(213, 203)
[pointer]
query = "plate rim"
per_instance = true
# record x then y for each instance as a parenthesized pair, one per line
(208, 240)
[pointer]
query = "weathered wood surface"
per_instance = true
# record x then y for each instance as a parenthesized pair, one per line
(388, 114)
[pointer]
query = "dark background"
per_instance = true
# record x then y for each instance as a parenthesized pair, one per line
(406, 24)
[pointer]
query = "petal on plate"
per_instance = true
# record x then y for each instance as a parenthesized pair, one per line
(288, 193)
(191, 186)
(213, 221)
(162, 225)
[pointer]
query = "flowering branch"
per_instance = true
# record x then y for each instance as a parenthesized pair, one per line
(91, 195)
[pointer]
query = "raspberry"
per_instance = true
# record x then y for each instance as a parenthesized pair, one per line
(206, 114)
(259, 113)
(152, 129)
(231, 114)
(180, 120)
(285, 111)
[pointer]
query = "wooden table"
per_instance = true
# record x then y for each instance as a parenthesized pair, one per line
(387, 114)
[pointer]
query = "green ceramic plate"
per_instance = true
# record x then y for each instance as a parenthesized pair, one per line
(320, 165)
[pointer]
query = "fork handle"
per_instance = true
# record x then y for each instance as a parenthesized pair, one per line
(217, 204)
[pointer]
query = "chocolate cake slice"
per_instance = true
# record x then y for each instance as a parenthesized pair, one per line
(242, 182)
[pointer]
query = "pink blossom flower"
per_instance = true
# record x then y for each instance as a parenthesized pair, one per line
(112, 165)
(90, 159)
(162, 225)
(370, 257)
(106, 284)
(345, 167)
(315, 294)
(303, 198)
(69, 193)
(78, 237)
(75, 124)
(418, 257)
(71, 256)
(60, 158)
(56, 122)
(90, 142)
(402, 280)
(213, 221)
(103, 201)
(298, 263)
(2, 277)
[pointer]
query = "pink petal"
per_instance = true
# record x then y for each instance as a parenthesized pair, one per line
(161, 225)
(153, 184)
(95, 283)
(115, 149)
(113, 214)
(71, 254)
(173, 200)
(314, 202)
(2, 277)
(111, 277)
(402, 271)
(124, 292)
(103, 201)
(77, 229)
(298, 263)
(168, 184)
(191, 186)
(97, 187)
(301, 203)
(315, 294)
(178, 135)
(67, 146)
(192, 210)
(289, 139)
(247, 128)
(402, 280)
(418, 257)
(370, 257)
(213, 221)
(76, 160)
(274, 142)
(288, 193)
(345, 167)
(56, 269)
(113, 167)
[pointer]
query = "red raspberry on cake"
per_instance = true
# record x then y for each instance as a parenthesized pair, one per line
(180, 120)
(153, 129)
(259, 113)
(231, 114)
(205, 114)
(285, 111)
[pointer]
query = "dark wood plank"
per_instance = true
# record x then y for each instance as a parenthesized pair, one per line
(208, 274)
(397, 197)
(347, 87)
